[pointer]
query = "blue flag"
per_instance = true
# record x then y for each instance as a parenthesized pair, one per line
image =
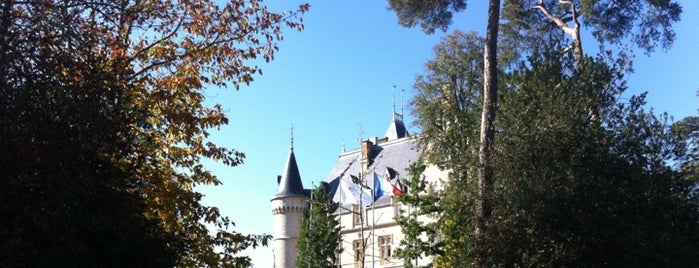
(381, 187)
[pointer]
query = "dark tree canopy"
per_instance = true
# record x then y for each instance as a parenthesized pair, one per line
(567, 193)
(429, 14)
(569, 196)
(103, 124)
(646, 23)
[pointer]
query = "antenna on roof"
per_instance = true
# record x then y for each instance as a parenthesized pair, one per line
(361, 134)
(292, 136)
(401, 101)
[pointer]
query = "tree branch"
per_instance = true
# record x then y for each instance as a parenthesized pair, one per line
(557, 20)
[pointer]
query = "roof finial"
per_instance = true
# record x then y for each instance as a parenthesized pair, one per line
(393, 99)
(292, 136)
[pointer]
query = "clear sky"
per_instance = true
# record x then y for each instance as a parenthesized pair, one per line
(337, 76)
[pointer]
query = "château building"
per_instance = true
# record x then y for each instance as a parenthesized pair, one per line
(369, 230)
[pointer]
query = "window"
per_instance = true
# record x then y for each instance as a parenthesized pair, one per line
(356, 215)
(385, 248)
(397, 207)
(358, 247)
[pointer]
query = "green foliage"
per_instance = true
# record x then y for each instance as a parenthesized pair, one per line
(103, 126)
(571, 196)
(418, 220)
(645, 23)
(545, 151)
(430, 14)
(447, 106)
(447, 102)
(319, 239)
(67, 202)
(409, 13)
(687, 130)
(568, 192)
(456, 223)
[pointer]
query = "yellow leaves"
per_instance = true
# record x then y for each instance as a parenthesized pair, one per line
(209, 39)
(176, 48)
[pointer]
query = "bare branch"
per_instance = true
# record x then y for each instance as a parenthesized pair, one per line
(557, 20)
(164, 38)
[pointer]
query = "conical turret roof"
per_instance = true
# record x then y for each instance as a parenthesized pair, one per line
(290, 183)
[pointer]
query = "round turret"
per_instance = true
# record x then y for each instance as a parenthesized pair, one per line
(289, 205)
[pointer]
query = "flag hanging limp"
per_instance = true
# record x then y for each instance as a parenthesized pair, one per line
(382, 187)
(355, 194)
(397, 191)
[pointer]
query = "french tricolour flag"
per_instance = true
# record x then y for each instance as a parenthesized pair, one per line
(382, 187)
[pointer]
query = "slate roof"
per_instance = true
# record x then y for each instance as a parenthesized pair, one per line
(396, 129)
(290, 183)
(394, 156)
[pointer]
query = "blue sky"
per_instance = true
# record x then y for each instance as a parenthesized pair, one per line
(337, 76)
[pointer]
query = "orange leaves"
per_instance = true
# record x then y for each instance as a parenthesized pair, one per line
(216, 38)
(303, 8)
(147, 63)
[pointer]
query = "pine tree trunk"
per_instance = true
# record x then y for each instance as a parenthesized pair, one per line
(490, 90)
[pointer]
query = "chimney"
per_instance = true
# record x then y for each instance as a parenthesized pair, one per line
(367, 159)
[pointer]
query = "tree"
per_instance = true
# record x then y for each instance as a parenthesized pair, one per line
(319, 239)
(433, 14)
(648, 24)
(565, 197)
(687, 130)
(418, 224)
(104, 124)
(447, 105)
(619, 165)
(651, 20)
(544, 147)
(487, 134)
(447, 101)
(67, 202)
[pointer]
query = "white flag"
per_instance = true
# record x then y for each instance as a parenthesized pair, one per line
(353, 193)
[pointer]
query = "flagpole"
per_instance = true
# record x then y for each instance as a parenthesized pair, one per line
(310, 214)
(339, 186)
(373, 223)
(361, 219)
